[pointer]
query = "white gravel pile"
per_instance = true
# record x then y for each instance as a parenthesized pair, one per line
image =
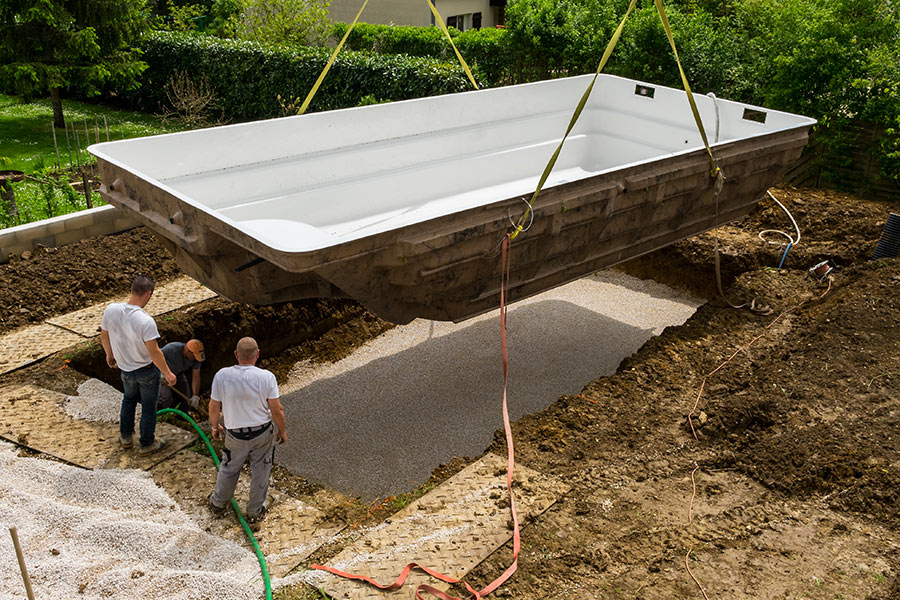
(110, 533)
(97, 401)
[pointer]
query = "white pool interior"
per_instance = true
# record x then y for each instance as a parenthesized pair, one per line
(308, 182)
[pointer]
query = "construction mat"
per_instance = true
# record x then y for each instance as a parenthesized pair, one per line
(290, 532)
(34, 417)
(168, 297)
(27, 345)
(451, 529)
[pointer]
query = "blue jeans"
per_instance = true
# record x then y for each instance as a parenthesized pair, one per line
(141, 385)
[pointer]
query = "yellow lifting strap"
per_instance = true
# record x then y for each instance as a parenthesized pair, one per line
(315, 87)
(715, 172)
(713, 166)
(581, 103)
(462, 61)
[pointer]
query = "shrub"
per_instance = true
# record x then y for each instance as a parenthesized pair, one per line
(246, 78)
(486, 51)
(281, 22)
(397, 39)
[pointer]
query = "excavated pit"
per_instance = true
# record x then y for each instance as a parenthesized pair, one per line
(285, 332)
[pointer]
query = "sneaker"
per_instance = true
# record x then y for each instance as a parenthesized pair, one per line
(217, 511)
(154, 447)
(126, 443)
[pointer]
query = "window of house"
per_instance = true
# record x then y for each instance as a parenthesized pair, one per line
(463, 22)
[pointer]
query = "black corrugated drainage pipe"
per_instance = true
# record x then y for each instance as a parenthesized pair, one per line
(889, 244)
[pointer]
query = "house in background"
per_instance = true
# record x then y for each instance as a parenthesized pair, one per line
(462, 14)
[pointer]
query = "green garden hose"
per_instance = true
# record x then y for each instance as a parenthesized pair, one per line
(234, 505)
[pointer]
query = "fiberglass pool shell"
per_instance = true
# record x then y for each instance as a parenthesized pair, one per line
(402, 206)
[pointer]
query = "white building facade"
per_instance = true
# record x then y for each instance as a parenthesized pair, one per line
(462, 14)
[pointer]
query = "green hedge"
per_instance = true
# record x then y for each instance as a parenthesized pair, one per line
(246, 78)
(487, 51)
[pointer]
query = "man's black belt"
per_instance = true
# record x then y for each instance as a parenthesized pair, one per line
(248, 433)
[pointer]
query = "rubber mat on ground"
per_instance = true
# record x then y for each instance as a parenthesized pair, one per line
(29, 344)
(290, 532)
(451, 529)
(34, 417)
(166, 298)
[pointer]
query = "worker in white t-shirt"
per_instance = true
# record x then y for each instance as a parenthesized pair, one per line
(248, 397)
(129, 338)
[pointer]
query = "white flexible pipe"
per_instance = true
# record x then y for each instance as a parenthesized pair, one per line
(764, 232)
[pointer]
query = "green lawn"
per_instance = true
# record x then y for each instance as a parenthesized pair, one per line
(26, 144)
(26, 136)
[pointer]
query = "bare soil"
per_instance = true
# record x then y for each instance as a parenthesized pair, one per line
(790, 487)
(51, 281)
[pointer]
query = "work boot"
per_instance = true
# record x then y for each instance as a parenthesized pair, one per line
(126, 443)
(154, 447)
(217, 511)
(256, 521)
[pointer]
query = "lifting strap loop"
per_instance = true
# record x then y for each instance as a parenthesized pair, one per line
(713, 165)
(581, 104)
(315, 87)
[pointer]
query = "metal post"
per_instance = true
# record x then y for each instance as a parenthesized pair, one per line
(21, 557)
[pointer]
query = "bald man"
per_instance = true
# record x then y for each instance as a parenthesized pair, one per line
(248, 397)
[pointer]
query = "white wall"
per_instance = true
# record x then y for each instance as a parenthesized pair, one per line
(409, 12)
(383, 12)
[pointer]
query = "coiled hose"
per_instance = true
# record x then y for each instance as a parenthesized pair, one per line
(234, 505)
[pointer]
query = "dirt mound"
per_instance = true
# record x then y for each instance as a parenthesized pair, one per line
(53, 281)
(818, 414)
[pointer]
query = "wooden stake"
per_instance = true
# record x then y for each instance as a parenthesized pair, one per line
(68, 145)
(77, 148)
(55, 146)
(87, 188)
(21, 557)
(106, 125)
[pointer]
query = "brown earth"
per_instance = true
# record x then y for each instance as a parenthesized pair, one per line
(796, 461)
(54, 281)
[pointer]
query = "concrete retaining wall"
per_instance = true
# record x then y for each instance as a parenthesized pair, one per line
(63, 230)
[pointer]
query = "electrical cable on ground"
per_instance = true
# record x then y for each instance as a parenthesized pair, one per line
(697, 402)
(234, 505)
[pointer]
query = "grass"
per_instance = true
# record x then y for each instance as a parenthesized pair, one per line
(26, 144)
(26, 135)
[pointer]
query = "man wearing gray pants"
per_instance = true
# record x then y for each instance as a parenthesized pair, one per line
(248, 397)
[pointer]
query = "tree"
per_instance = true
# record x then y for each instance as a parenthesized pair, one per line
(84, 46)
